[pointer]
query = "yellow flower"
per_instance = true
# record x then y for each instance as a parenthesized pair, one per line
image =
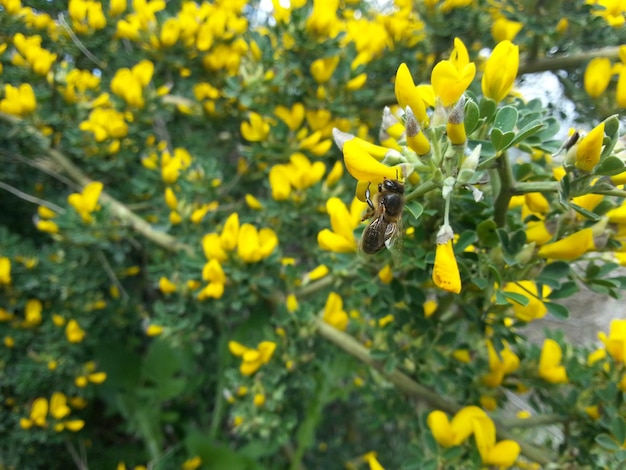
(589, 149)
(385, 274)
(74, 332)
(503, 29)
(212, 247)
(5, 270)
(502, 454)
(500, 364)
(615, 342)
(500, 71)
(252, 359)
(259, 399)
(32, 313)
(105, 124)
(170, 32)
(154, 330)
(291, 303)
(550, 368)
(334, 175)
(253, 203)
(86, 201)
(293, 117)
(446, 274)
(452, 433)
(256, 129)
(333, 312)
(214, 275)
(430, 307)
(535, 308)
(318, 273)
(279, 182)
(128, 84)
(323, 21)
(97, 377)
(450, 78)
(372, 461)
(407, 94)
(569, 248)
(253, 245)
(166, 286)
(192, 464)
(18, 101)
(341, 238)
(363, 166)
(39, 411)
(230, 232)
(58, 405)
(597, 76)
(357, 82)
(322, 69)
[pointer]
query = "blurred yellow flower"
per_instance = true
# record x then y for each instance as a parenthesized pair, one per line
(86, 202)
(73, 332)
(252, 359)
(615, 342)
(334, 313)
(597, 76)
(550, 368)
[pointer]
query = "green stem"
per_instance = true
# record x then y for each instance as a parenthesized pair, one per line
(422, 189)
(506, 183)
(536, 187)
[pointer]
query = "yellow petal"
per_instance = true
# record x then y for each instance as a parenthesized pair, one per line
(439, 425)
(569, 248)
(362, 166)
(446, 274)
(589, 149)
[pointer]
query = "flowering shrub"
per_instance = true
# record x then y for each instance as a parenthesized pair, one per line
(183, 187)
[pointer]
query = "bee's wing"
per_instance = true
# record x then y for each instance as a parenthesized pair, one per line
(393, 235)
(374, 236)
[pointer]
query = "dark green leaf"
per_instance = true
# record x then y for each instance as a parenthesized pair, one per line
(566, 290)
(584, 212)
(557, 310)
(618, 428)
(611, 126)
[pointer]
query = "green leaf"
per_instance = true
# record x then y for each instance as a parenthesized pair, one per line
(501, 141)
(566, 290)
(466, 239)
(611, 126)
(487, 234)
(527, 131)
(557, 310)
(518, 298)
(472, 116)
(506, 118)
(618, 428)
(584, 212)
(487, 108)
(610, 166)
(415, 209)
(607, 442)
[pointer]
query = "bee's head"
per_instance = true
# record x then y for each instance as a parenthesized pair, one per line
(393, 186)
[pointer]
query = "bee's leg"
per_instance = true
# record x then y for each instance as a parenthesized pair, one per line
(368, 197)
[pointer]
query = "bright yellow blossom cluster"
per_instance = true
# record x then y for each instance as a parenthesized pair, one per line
(18, 101)
(57, 409)
(252, 359)
(105, 123)
(31, 54)
(86, 202)
(599, 72)
(473, 420)
(343, 221)
(87, 16)
(299, 174)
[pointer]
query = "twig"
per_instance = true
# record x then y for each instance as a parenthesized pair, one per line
(107, 268)
(78, 42)
(410, 387)
(31, 199)
(80, 464)
(568, 61)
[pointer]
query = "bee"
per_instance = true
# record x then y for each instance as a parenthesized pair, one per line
(386, 223)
